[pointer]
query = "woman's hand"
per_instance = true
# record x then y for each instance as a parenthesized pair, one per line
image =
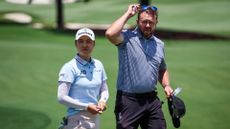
(97, 109)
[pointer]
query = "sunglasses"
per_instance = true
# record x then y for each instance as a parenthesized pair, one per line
(145, 7)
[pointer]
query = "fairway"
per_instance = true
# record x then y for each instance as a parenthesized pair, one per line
(31, 59)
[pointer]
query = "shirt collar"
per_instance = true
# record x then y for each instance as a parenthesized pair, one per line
(84, 62)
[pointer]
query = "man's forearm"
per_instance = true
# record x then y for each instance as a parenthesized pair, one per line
(117, 26)
(164, 78)
(113, 33)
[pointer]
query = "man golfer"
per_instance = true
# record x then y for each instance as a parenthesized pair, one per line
(141, 65)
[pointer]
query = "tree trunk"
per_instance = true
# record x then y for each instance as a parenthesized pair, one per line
(144, 2)
(59, 15)
(29, 1)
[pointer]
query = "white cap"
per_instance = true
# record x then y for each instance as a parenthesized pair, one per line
(85, 31)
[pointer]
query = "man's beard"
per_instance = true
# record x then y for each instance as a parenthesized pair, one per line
(147, 34)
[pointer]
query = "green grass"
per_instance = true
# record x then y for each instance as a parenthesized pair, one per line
(31, 60)
(207, 16)
(202, 69)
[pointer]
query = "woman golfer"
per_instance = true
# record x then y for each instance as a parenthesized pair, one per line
(82, 85)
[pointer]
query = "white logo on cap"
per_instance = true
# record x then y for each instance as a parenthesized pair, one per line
(85, 31)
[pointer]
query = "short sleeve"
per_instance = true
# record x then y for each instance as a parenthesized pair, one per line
(124, 33)
(66, 74)
(104, 76)
(163, 64)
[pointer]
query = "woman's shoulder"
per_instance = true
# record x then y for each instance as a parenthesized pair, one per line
(97, 62)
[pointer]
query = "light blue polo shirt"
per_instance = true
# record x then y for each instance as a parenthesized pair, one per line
(86, 80)
(140, 60)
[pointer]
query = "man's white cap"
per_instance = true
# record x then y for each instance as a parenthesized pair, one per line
(85, 32)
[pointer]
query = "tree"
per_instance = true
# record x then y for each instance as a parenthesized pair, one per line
(59, 15)
(29, 1)
(144, 2)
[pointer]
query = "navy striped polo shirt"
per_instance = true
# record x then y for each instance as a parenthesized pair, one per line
(140, 60)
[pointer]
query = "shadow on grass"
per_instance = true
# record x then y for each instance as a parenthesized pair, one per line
(160, 33)
(13, 118)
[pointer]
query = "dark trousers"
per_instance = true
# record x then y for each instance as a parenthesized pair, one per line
(144, 110)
